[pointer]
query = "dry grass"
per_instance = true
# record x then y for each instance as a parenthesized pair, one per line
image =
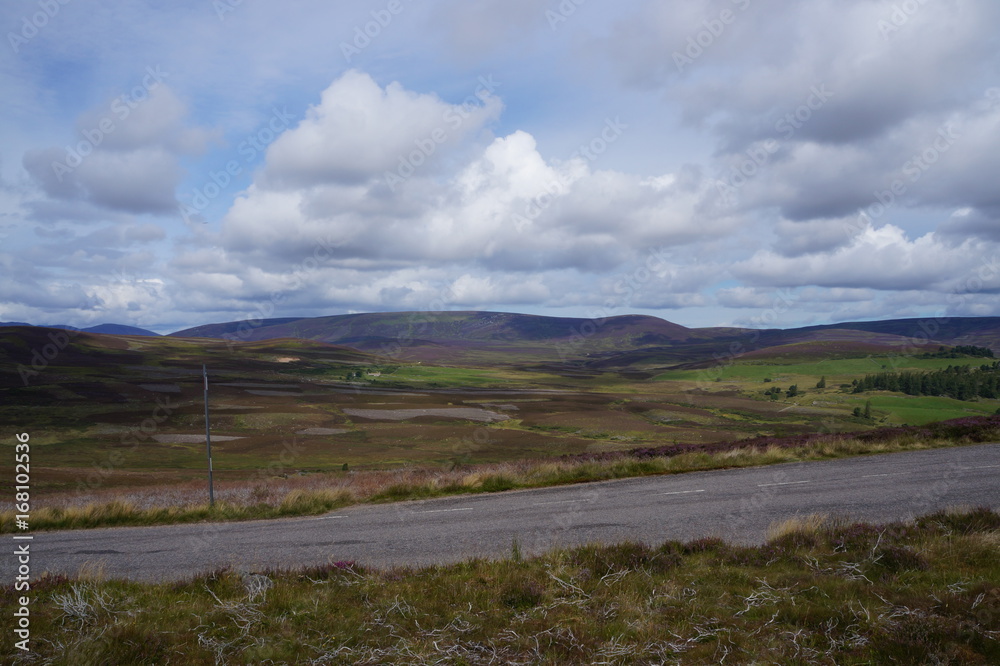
(810, 524)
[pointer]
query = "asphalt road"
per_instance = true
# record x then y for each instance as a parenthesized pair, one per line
(738, 505)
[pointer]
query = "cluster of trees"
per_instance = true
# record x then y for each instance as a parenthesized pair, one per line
(961, 382)
(775, 392)
(960, 351)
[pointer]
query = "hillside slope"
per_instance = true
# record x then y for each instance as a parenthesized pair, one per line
(616, 342)
(104, 329)
(455, 335)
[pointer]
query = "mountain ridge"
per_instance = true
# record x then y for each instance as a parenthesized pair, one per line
(103, 329)
(613, 342)
(464, 334)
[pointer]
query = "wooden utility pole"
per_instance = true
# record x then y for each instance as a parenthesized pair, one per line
(208, 440)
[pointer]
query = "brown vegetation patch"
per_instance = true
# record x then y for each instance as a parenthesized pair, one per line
(321, 431)
(462, 413)
(191, 439)
(161, 388)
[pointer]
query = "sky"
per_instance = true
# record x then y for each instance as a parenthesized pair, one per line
(756, 163)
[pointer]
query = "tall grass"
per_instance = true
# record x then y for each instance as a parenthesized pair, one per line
(120, 512)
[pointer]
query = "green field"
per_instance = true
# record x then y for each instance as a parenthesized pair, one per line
(419, 375)
(753, 378)
(918, 410)
(838, 370)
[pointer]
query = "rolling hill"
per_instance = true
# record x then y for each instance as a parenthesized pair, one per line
(629, 342)
(616, 342)
(461, 336)
(104, 329)
(979, 331)
(31, 355)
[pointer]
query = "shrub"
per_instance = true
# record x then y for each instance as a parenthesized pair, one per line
(973, 521)
(706, 545)
(496, 483)
(599, 559)
(522, 594)
(899, 558)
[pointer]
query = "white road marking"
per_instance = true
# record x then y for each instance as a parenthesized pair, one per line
(784, 483)
(682, 492)
(559, 502)
(444, 510)
(326, 517)
(869, 476)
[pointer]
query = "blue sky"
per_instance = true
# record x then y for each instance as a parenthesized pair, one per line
(711, 162)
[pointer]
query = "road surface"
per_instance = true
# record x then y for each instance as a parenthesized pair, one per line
(737, 505)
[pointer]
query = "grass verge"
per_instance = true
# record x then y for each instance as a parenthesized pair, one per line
(118, 513)
(824, 591)
(277, 499)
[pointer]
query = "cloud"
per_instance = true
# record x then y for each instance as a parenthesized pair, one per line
(45, 296)
(360, 131)
(138, 181)
(971, 222)
(505, 208)
(488, 25)
(475, 291)
(745, 297)
(127, 156)
(849, 105)
(815, 236)
(883, 258)
(142, 119)
(499, 224)
(744, 73)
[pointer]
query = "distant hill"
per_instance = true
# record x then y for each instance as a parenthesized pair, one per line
(35, 355)
(119, 329)
(635, 344)
(616, 342)
(104, 329)
(230, 328)
(444, 335)
(979, 331)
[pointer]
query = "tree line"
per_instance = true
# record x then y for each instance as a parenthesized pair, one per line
(961, 382)
(960, 351)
